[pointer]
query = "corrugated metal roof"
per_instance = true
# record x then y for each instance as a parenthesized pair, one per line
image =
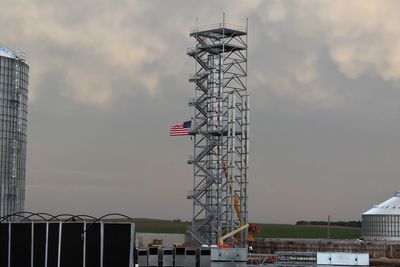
(388, 207)
(7, 52)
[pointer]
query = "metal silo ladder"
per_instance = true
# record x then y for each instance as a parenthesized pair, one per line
(17, 105)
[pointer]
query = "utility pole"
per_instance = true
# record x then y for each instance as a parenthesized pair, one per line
(328, 234)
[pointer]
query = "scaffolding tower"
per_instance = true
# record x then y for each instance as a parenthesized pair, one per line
(220, 129)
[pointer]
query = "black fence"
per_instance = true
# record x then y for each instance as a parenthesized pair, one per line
(67, 244)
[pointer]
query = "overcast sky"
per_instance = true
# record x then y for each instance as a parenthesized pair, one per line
(108, 78)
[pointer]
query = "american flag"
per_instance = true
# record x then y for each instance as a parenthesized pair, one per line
(180, 129)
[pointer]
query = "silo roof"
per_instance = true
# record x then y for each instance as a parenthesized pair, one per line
(388, 207)
(7, 52)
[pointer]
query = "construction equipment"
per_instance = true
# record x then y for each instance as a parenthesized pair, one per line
(252, 228)
(234, 232)
(178, 245)
(235, 198)
(156, 243)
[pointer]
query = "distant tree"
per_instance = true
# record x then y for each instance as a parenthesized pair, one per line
(338, 223)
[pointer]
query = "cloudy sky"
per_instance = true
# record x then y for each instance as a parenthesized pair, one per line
(108, 78)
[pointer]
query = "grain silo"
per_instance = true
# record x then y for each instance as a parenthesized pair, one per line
(382, 222)
(13, 124)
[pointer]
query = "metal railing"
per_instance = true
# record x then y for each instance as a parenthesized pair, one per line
(217, 26)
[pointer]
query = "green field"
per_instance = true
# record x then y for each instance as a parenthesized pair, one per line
(307, 231)
(268, 230)
(160, 226)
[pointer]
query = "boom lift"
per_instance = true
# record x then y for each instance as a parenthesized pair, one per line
(252, 228)
(234, 232)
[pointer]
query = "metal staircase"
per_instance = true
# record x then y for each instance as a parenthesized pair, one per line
(220, 132)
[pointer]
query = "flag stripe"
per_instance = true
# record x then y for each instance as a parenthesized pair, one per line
(180, 129)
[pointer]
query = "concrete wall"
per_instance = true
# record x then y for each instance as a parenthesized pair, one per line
(375, 249)
(142, 239)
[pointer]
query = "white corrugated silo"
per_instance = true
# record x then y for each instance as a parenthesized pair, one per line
(382, 222)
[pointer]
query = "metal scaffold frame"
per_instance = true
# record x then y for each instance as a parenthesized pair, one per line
(220, 132)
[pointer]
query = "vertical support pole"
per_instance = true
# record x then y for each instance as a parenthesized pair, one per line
(132, 249)
(246, 121)
(46, 253)
(9, 244)
(32, 242)
(232, 165)
(84, 244)
(101, 243)
(59, 244)
(328, 234)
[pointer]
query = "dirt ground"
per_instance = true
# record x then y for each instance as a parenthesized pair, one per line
(384, 262)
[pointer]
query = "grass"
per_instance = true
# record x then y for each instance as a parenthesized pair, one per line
(160, 226)
(268, 230)
(307, 231)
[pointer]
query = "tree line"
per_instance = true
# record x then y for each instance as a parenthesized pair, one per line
(338, 223)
